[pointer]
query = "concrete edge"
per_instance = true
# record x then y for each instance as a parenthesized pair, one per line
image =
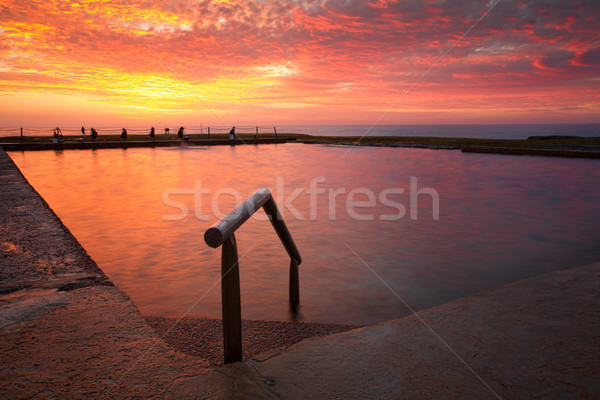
(531, 151)
(99, 276)
(563, 273)
(139, 144)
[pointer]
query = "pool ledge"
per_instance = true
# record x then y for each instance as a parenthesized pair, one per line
(67, 332)
(536, 338)
(123, 144)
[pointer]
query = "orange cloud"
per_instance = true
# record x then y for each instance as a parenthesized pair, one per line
(280, 61)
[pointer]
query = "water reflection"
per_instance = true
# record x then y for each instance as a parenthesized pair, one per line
(502, 218)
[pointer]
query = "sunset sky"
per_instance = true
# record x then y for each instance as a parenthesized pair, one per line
(298, 62)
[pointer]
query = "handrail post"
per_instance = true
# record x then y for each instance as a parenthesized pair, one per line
(294, 285)
(230, 299)
(222, 234)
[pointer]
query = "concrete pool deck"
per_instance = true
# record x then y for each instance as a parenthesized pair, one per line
(66, 332)
(549, 146)
(128, 144)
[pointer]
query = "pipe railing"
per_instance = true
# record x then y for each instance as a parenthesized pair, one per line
(223, 233)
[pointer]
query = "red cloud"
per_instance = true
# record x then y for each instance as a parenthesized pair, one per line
(314, 52)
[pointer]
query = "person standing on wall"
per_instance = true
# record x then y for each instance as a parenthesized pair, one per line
(180, 133)
(232, 134)
(151, 133)
(57, 135)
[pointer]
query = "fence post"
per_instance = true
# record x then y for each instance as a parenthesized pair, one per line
(208, 127)
(275, 129)
(294, 285)
(230, 299)
(21, 135)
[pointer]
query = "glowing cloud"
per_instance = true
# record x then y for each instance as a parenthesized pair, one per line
(344, 61)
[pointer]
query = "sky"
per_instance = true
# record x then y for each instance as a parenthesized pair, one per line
(269, 62)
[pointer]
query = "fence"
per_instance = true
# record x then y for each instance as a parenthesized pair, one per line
(190, 130)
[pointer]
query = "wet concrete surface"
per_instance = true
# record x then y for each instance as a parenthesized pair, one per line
(66, 331)
(537, 338)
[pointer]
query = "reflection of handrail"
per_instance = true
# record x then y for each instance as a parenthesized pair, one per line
(222, 233)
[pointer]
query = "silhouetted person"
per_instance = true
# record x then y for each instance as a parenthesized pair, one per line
(123, 133)
(180, 133)
(82, 130)
(58, 134)
(166, 131)
(93, 134)
(151, 133)
(232, 133)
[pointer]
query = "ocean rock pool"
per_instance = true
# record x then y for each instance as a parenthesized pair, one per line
(378, 228)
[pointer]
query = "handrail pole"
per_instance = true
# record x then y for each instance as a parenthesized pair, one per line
(216, 234)
(223, 233)
(294, 285)
(230, 299)
(282, 231)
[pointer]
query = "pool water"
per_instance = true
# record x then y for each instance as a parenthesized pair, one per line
(378, 228)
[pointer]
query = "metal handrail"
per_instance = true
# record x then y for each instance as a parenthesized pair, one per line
(223, 233)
